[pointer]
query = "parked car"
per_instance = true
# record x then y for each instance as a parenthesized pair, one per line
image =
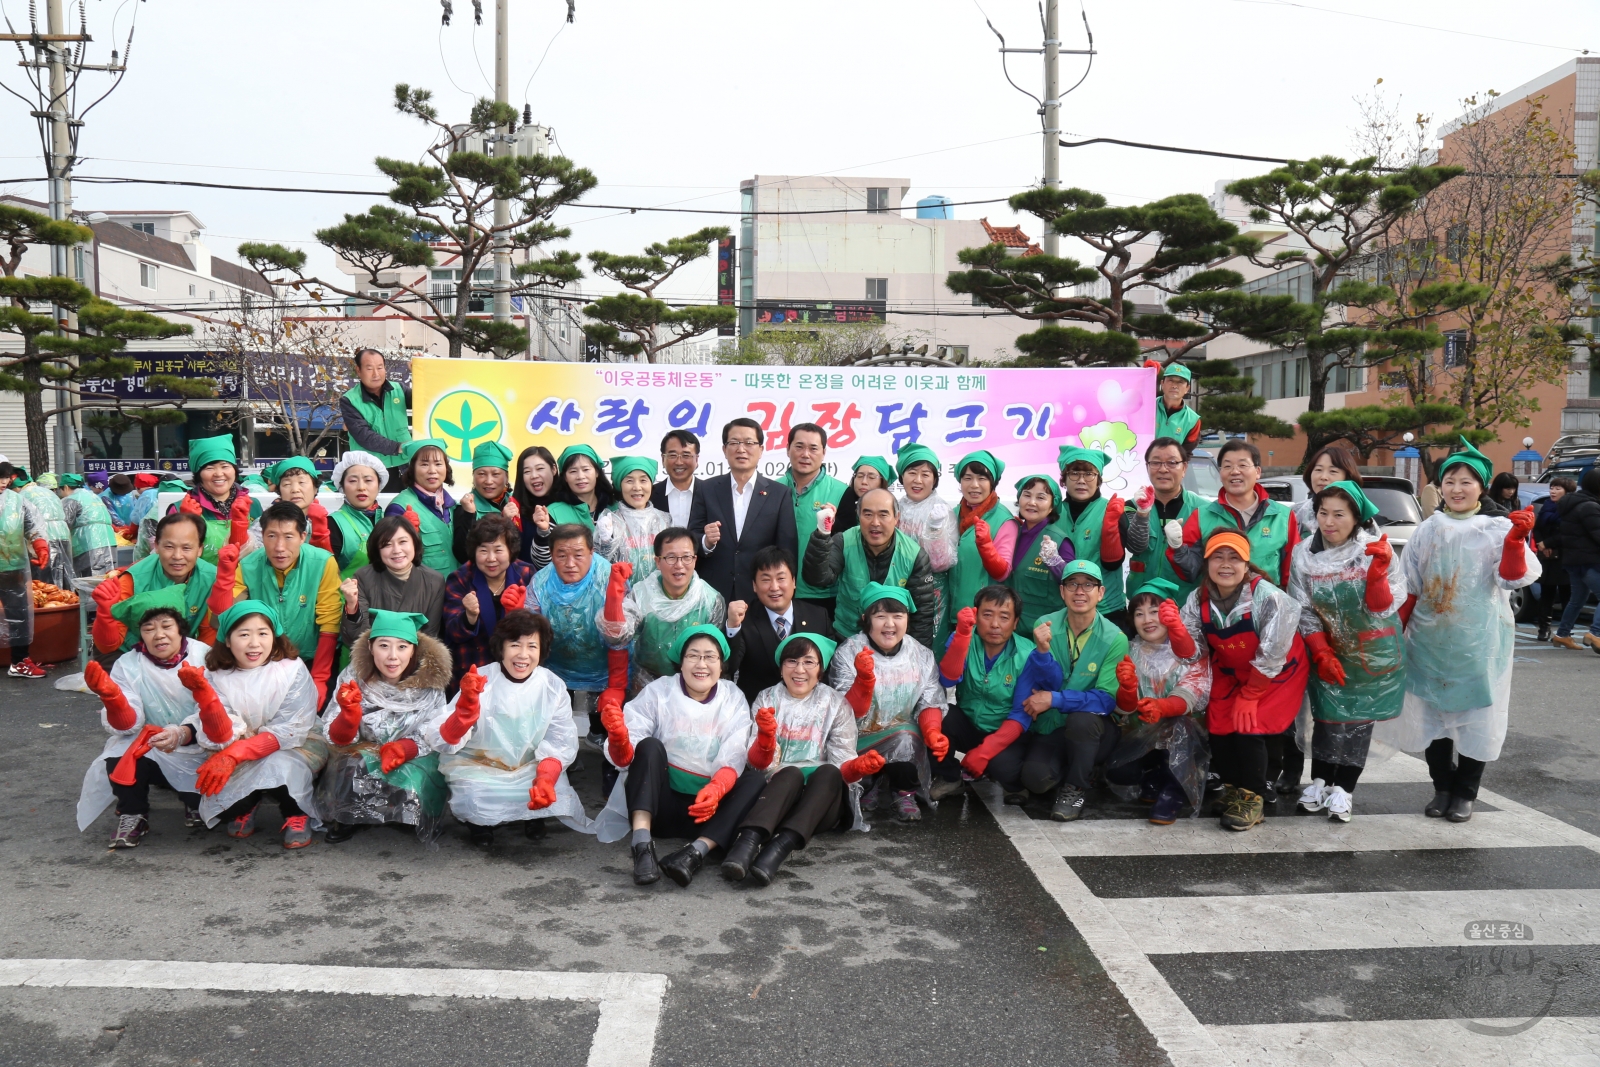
(1203, 479)
(1399, 512)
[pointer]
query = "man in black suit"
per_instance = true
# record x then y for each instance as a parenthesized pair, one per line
(754, 630)
(737, 513)
(680, 458)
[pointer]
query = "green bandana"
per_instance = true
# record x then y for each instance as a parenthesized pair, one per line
(207, 450)
(1162, 588)
(130, 611)
(1469, 455)
(491, 454)
(985, 459)
(1049, 483)
(579, 450)
(1071, 454)
(622, 466)
(876, 591)
(47, 480)
(409, 450)
(825, 645)
(916, 453)
(401, 624)
(276, 472)
(705, 629)
(234, 615)
(1365, 509)
(72, 481)
(172, 485)
(879, 464)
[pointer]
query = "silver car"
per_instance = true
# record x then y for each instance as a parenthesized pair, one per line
(1399, 511)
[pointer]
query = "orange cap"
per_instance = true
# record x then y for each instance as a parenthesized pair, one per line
(1229, 539)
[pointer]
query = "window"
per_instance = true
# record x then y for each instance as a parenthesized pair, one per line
(146, 227)
(191, 290)
(877, 288)
(147, 275)
(1292, 281)
(877, 200)
(1455, 243)
(1455, 348)
(211, 294)
(1594, 378)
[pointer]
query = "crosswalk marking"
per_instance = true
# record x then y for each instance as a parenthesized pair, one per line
(1556, 1042)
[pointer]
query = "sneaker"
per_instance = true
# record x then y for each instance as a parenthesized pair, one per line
(1242, 811)
(869, 799)
(1339, 804)
(296, 834)
(1168, 803)
(597, 738)
(1068, 806)
(244, 825)
(1315, 796)
(947, 787)
(192, 818)
(29, 669)
(130, 831)
(906, 808)
(1557, 640)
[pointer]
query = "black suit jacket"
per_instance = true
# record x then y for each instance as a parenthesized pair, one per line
(658, 494)
(769, 521)
(751, 650)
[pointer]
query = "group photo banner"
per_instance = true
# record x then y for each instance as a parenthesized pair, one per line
(1022, 416)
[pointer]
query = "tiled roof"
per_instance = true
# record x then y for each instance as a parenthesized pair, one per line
(1010, 236)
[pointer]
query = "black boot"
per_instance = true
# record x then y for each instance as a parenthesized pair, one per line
(683, 865)
(1544, 631)
(482, 836)
(533, 829)
(1438, 805)
(765, 868)
(645, 869)
(339, 831)
(1460, 809)
(736, 864)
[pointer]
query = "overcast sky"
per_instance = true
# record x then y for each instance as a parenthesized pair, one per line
(676, 102)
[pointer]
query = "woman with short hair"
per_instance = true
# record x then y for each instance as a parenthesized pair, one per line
(392, 580)
(477, 595)
(425, 501)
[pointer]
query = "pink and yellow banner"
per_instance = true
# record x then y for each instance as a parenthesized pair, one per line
(1022, 416)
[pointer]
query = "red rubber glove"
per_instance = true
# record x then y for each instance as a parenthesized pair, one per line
(859, 696)
(514, 597)
(977, 761)
(931, 722)
(396, 754)
(1379, 596)
(347, 725)
(765, 745)
(119, 713)
(411, 517)
(41, 553)
(1111, 531)
(108, 632)
(189, 505)
(711, 794)
(617, 669)
(618, 743)
(1329, 669)
(1177, 633)
(126, 771)
(1514, 554)
(465, 716)
(213, 719)
(869, 762)
(322, 665)
(1406, 609)
(616, 589)
(1127, 685)
(954, 664)
(221, 598)
(1146, 498)
(1153, 364)
(1246, 705)
(239, 520)
(990, 555)
(319, 526)
(1154, 709)
(215, 772)
(543, 792)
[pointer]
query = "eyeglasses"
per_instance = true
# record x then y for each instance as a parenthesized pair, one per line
(700, 657)
(679, 455)
(675, 560)
(739, 443)
(1164, 464)
(1081, 587)
(1078, 476)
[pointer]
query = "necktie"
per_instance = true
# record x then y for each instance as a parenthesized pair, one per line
(781, 625)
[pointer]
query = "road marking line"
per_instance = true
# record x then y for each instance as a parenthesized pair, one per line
(1169, 1020)
(630, 1003)
(1573, 1041)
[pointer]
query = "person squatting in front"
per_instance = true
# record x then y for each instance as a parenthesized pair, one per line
(507, 739)
(1350, 595)
(257, 706)
(806, 746)
(381, 768)
(143, 707)
(984, 674)
(682, 747)
(891, 682)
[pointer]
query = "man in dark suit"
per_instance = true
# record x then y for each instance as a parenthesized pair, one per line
(737, 513)
(754, 630)
(680, 458)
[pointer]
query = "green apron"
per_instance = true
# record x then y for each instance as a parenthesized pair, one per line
(984, 694)
(562, 514)
(94, 524)
(1152, 563)
(1268, 536)
(824, 490)
(437, 537)
(148, 577)
(1085, 537)
(968, 575)
(1177, 425)
(354, 528)
(1369, 647)
(420, 776)
(1033, 582)
(854, 577)
(297, 600)
(1105, 644)
(387, 418)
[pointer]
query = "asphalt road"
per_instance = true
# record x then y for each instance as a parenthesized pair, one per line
(981, 935)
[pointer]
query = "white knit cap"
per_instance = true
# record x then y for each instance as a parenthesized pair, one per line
(358, 459)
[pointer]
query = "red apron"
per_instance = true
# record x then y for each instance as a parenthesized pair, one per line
(1232, 650)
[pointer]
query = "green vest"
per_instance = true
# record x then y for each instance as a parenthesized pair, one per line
(148, 577)
(562, 514)
(387, 417)
(1268, 536)
(94, 523)
(437, 544)
(49, 507)
(824, 490)
(968, 575)
(984, 695)
(853, 579)
(15, 552)
(1085, 538)
(1152, 563)
(1105, 645)
(217, 531)
(1177, 424)
(354, 529)
(1038, 588)
(297, 600)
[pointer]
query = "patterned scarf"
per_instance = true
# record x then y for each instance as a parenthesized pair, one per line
(970, 514)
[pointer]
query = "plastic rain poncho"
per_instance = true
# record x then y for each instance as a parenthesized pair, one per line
(700, 740)
(491, 770)
(1274, 613)
(52, 519)
(94, 541)
(353, 788)
(652, 621)
(1460, 639)
(278, 698)
(158, 698)
(932, 523)
(1182, 737)
(906, 683)
(817, 729)
(577, 653)
(20, 526)
(624, 534)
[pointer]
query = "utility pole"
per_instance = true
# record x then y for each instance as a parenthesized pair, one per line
(503, 145)
(1052, 113)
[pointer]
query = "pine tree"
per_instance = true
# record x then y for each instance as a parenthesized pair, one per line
(654, 324)
(1227, 404)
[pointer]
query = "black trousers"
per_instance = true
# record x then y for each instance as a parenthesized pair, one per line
(278, 794)
(793, 802)
(1451, 773)
(16, 599)
(1340, 774)
(964, 737)
(1040, 762)
(1241, 760)
(135, 799)
(648, 789)
(1552, 586)
(1284, 756)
